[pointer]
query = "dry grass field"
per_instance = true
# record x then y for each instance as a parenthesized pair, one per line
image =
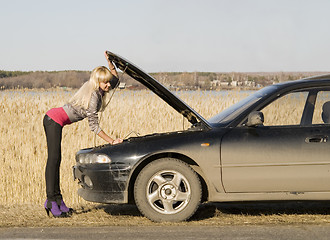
(24, 150)
(23, 143)
(23, 158)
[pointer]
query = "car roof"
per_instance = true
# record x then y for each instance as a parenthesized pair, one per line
(319, 77)
(321, 80)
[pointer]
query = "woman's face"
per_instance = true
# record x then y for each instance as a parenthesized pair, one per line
(105, 86)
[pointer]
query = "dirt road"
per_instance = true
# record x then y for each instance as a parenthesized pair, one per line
(210, 215)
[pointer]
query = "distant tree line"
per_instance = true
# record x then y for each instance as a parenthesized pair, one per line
(39, 79)
(173, 80)
(5, 74)
(228, 80)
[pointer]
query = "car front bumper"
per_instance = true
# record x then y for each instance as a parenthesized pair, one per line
(102, 183)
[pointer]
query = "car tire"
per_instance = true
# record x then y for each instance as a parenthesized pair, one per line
(167, 190)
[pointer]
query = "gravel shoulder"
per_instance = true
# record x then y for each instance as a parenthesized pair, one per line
(210, 214)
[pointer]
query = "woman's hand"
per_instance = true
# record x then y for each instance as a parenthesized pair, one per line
(111, 65)
(117, 141)
(109, 139)
(106, 56)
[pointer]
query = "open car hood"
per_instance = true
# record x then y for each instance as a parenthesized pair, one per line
(151, 83)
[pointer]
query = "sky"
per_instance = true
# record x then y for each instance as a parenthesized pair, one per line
(166, 35)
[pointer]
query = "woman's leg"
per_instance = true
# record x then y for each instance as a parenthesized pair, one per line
(57, 190)
(54, 137)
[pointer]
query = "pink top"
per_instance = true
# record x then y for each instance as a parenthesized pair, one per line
(59, 116)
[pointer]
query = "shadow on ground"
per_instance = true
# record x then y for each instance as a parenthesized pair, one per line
(120, 210)
(209, 210)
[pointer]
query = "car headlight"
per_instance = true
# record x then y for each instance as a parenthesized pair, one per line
(93, 158)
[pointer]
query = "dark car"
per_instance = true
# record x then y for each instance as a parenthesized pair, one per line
(273, 145)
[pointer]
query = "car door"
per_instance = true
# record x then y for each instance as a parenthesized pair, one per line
(283, 155)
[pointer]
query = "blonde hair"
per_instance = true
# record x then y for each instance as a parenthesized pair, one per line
(83, 95)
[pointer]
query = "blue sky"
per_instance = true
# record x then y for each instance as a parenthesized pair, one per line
(167, 35)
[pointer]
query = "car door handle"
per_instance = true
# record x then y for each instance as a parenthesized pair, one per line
(316, 139)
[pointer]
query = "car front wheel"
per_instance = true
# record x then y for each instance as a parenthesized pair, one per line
(167, 190)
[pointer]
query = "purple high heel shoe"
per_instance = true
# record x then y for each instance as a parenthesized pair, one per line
(51, 206)
(65, 209)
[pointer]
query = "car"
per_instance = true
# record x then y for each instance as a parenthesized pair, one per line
(272, 145)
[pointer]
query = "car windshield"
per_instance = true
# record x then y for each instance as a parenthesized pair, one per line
(233, 111)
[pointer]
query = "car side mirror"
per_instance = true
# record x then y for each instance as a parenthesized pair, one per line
(255, 118)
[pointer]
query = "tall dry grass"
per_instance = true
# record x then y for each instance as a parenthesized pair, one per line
(23, 144)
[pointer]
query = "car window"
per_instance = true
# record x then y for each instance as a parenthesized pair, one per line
(286, 110)
(322, 98)
(233, 111)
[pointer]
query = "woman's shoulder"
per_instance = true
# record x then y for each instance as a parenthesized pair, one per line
(96, 94)
(95, 100)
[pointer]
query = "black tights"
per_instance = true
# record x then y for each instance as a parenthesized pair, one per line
(53, 132)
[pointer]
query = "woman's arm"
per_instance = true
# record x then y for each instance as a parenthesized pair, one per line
(111, 66)
(109, 139)
(93, 120)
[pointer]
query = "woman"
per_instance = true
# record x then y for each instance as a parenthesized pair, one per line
(87, 102)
